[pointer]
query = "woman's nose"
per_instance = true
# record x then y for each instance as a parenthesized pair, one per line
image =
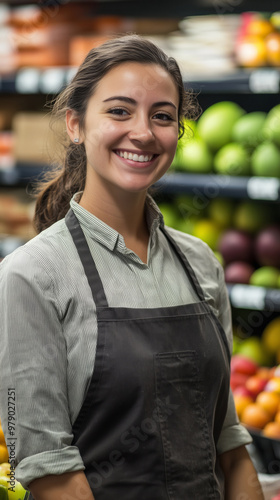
(141, 131)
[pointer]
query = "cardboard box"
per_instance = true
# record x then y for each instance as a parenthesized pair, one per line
(34, 141)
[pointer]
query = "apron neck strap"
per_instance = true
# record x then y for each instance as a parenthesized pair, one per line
(190, 272)
(91, 272)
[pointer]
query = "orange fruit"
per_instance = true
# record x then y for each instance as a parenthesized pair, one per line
(2, 437)
(251, 52)
(269, 401)
(241, 401)
(273, 385)
(264, 372)
(4, 454)
(255, 416)
(272, 430)
(277, 417)
(260, 27)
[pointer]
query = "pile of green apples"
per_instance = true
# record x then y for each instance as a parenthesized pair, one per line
(228, 140)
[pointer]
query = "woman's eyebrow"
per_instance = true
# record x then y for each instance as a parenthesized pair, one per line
(121, 98)
(132, 101)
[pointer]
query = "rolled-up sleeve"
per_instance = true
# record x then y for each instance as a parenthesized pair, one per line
(233, 433)
(33, 363)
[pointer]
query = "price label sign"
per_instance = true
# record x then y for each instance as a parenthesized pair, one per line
(27, 81)
(265, 81)
(248, 297)
(263, 188)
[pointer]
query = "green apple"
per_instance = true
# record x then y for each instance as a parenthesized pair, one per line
(248, 129)
(196, 157)
(17, 493)
(232, 159)
(271, 127)
(267, 276)
(216, 123)
(266, 160)
(253, 348)
(251, 216)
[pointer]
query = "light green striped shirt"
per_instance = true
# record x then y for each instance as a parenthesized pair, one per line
(49, 331)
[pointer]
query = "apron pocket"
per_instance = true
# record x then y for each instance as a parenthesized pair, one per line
(183, 425)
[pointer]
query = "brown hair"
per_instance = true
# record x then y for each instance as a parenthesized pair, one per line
(56, 190)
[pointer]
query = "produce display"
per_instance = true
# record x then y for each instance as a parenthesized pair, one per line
(10, 488)
(228, 140)
(258, 41)
(245, 235)
(256, 392)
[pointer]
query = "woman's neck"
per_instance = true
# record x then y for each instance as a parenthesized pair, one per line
(124, 212)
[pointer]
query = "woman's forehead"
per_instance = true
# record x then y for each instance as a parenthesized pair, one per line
(139, 79)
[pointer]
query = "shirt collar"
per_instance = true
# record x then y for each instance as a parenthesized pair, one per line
(101, 232)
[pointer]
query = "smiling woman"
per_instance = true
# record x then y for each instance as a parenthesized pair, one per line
(122, 332)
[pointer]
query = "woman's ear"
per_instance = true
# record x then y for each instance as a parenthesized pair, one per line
(73, 126)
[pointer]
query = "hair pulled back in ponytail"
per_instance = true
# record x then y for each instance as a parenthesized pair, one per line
(60, 184)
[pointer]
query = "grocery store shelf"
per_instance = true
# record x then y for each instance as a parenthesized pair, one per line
(53, 79)
(211, 185)
(206, 186)
(22, 174)
(254, 297)
(258, 81)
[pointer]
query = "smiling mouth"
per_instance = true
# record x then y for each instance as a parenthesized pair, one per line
(142, 158)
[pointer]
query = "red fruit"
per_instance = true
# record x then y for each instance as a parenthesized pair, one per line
(242, 391)
(255, 385)
(242, 364)
(236, 245)
(239, 272)
(237, 380)
(267, 246)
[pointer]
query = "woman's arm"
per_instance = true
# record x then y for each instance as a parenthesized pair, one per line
(241, 480)
(68, 486)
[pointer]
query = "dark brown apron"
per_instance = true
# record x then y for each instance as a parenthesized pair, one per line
(155, 407)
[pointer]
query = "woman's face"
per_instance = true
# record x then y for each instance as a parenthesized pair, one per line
(131, 127)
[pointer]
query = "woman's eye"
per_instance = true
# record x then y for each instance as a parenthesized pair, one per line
(118, 112)
(163, 117)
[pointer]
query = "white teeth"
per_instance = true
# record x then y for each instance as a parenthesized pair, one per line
(134, 156)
